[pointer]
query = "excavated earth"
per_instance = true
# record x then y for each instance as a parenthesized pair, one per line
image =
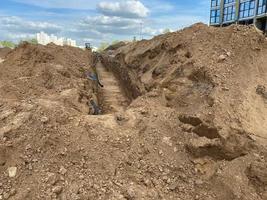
(184, 118)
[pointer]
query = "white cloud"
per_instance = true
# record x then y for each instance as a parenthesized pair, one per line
(20, 36)
(160, 6)
(117, 25)
(15, 28)
(176, 22)
(69, 4)
(163, 30)
(127, 9)
(82, 32)
(111, 21)
(19, 25)
(150, 31)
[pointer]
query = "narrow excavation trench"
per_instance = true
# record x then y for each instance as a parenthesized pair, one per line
(111, 96)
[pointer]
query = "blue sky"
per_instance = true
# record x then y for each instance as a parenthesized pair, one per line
(97, 21)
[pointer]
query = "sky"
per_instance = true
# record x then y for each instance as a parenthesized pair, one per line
(97, 21)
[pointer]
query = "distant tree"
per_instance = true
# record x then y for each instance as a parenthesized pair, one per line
(8, 44)
(167, 30)
(103, 46)
(29, 40)
(33, 41)
(115, 42)
(134, 39)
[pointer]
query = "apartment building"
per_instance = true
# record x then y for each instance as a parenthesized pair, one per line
(44, 39)
(225, 12)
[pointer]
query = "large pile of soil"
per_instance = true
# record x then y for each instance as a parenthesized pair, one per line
(195, 127)
(205, 72)
(4, 51)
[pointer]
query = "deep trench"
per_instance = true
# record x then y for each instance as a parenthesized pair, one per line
(119, 85)
(111, 97)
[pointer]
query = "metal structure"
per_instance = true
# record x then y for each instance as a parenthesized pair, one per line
(225, 12)
(88, 46)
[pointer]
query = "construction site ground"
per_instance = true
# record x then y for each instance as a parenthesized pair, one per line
(183, 118)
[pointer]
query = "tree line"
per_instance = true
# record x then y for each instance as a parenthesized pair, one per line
(12, 45)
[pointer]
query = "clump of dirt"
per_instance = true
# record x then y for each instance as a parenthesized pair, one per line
(185, 119)
(261, 90)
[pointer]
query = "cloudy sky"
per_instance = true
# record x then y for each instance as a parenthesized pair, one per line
(98, 21)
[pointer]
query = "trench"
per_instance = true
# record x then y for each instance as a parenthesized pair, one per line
(111, 97)
(121, 84)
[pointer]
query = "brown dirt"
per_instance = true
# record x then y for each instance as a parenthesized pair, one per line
(188, 120)
(206, 72)
(4, 52)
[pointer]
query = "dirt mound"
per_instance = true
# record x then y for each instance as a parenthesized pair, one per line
(4, 51)
(116, 46)
(194, 126)
(214, 78)
(205, 71)
(32, 71)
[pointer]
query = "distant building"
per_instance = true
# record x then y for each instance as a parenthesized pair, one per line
(70, 42)
(44, 39)
(225, 12)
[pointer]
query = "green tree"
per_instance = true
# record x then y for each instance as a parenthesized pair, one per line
(29, 40)
(8, 44)
(115, 42)
(167, 30)
(33, 41)
(103, 46)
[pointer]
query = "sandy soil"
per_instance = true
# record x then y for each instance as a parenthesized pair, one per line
(184, 119)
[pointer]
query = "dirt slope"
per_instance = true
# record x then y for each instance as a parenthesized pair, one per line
(4, 52)
(208, 72)
(215, 79)
(194, 127)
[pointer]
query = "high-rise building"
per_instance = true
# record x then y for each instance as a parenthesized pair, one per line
(44, 39)
(70, 42)
(225, 12)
